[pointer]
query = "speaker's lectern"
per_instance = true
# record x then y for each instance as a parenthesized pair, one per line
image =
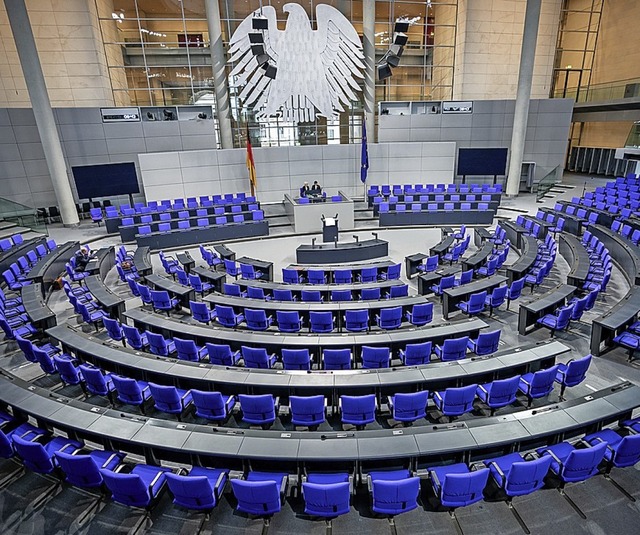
(329, 229)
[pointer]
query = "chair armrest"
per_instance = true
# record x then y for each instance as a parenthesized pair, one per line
(155, 480)
(500, 472)
(554, 456)
(525, 381)
(111, 457)
(481, 387)
(185, 395)
(218, 488)
(434, 479)
(283, 486)
(66, 446)
(369, 483)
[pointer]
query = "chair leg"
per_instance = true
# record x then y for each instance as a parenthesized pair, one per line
(571, 502)
(617, 485)
(518, 517)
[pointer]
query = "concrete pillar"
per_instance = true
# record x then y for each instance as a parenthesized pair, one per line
(525, 76)
(369, 49)
(218, 62)
(32, 71)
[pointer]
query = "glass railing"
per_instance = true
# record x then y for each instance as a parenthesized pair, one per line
(22, 215)
(546, 184)
(602, 92)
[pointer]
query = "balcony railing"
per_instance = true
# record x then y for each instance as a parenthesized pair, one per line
(617, 90)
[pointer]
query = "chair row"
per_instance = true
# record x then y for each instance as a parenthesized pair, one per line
(315, 296)
(12, 241)
(166, 217)
(626, 231)
(204, 201)
(326, 495)
(186, 224)
(15, 276)
(385, 207)
(300, 359)
(340, 276)
(412, 189)
(306, 411)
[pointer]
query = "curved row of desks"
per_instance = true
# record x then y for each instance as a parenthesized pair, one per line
(184, 442)
(36, 308)
(331, 253)
(49, 267)
(437, 218)
(576, 255)
(528, 255)
(12, 254)
(275, 341)
(331, 383)
(627, 255)
(113, 304)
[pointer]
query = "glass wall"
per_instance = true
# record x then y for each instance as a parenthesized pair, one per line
(158, 55)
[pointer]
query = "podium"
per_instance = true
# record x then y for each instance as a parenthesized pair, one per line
(329, 229)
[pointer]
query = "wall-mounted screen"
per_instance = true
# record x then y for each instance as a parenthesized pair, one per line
(105, 180)
(482, 161)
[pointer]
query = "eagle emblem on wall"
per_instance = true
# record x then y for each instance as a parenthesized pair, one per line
(297, 73)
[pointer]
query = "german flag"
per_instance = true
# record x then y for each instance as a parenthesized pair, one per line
(251, 166)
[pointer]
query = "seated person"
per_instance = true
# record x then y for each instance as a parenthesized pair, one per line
(83, 256)
(305, 190)
(316, 189)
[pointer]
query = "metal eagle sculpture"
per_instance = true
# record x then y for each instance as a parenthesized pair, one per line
(309, 72)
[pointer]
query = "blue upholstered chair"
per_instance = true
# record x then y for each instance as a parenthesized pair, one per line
(499, 393)
(358, 410)
(409, 407)
(212, 405)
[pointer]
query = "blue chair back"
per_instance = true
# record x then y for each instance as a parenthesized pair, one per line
(342, 276)
(395, 497)
(326, 500)
(421, 314)
(220, 354)
(256, 319)
(129, 489)
(369, 274)
(340, 295)
(498, 296)
(95, 381)
(542, 382)
(200, 311)
(503, 392)
(321, 322)
(157, 344)
(256, 357)
(312, 296)
(113, 328)
(291, 276)
(255, 293)
(260, 498)
(226, 316)
(527, 476)
(410, 407)
(515, 289)
(68, 371)
(307, 410)
(296, 359)
(390, 318)
(370, 293)
(356, 320)
(34, 455)
(195, 491)
(375, 357)
(210, 405)
(187, 349)
(134, 339)
(129, 391)
(358, 410)
(416, 354)
(454, 348)
(316, 276)
(487, 343)
(582, 463)
(399, 291)
(457, 401)
(232, 289)
(627, 451)
(258, 410)
(288, 321)
(336, 359)
(282, 295)
(166, 398)
(461, 489)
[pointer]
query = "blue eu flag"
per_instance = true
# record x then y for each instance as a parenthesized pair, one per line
(364, 158)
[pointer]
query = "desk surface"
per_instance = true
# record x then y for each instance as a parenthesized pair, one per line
(476, 286)
(269, 286)
(142, 260)
(579, 258)
(34, 304)
(59, 256)
(622, 312)
(527, 257)
(551, 298)
(100, 291)
(354, 266)
(167, 284)
(479, 257)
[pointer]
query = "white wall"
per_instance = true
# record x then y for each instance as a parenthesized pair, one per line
(282, 170)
